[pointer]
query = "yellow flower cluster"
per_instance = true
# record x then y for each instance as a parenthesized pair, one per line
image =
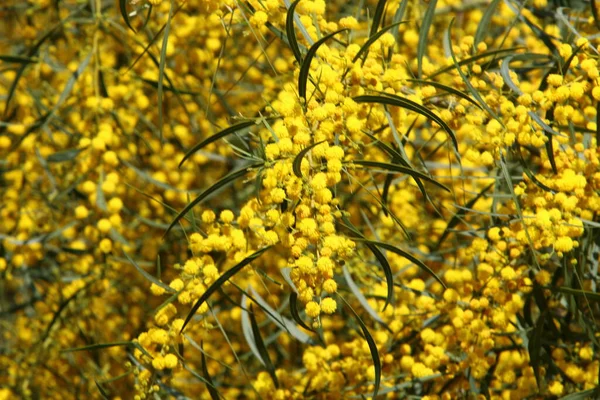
(393, 201)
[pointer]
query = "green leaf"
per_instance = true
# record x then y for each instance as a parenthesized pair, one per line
(168, 88)
(260, 344)
(466, 81)
(406, 255)
(18, 59)
(220, 281)
(97, 346)
(460, 214)
(149, 277)
(586, 394)
(296, 166)
(534, 347)
(398, 101)
(64, 155)
(102, 391)
(294, 312)
(387, 270)
(484, 24)
(247, 330)
(215, 137)
(377, 17)
(372, 348)
(594, 8)
(401, 169)
(214, 394)
(398, 17)
(361, 297)
(226, 180)
(305, 68)
(282, 322)
(364, 49)
(594, 296)
(291, 33)
(124, 14)
(161, 70)
(423, 32)
(448, 89)
(469, 60)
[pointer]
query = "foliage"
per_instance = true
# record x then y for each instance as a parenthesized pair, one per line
(265, 199)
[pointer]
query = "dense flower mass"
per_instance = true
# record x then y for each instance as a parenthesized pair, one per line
(277, 200)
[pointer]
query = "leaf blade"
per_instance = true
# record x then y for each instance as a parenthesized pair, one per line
(220, 281)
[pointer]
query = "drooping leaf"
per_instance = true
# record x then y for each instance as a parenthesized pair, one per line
(291, 33)
(169, 88)
(460, 214)
(594, 296)
(423, 32)
(226, 180)
(296, 165)
(377, 17)
(484, 24)
(387, 270)
(595, 13)
(225, 132)
(535, 347)
(102, 391)
(294, 312)
(212, 391)
(465, 79)
(149, 277)
(247, 330)
(220, 281)
(260, 344)
(398, 101)
(305, 68)
(398, 16)
(372, 348)
(406, 255)
(64, 155)
(282, 322)
(358, 295)
(586, 394)
(125, 14)
(401, 169)
(448, 89)
(161, 70)
(477, 57)
(372, 39)
(17, 59)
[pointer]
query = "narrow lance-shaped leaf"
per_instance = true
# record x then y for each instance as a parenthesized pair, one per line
(297, 164)
(377, 17)
(398, 101)
(220, 281)
(260, 344)
(372, 348)
(484, 23)
(461, 213)
(465, 79)
(595, 13)
(102, 391)
(399, 168)
(212, 391)
(216, 186)
(387, 270)
(64, 155)
(294, 312)
(448, 89)
(17, 59)
(247, 330)
(161, 70)
(408, 256)
(125, 15)
(291, 33)
(423, 32)
(149, 277)
(355, 290)
(372, 39)
(477, 57)
(225, 132)
(305, 68)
